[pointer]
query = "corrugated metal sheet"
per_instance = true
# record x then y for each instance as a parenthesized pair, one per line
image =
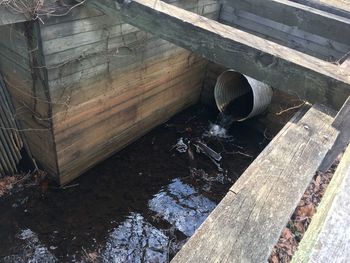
(10, 139)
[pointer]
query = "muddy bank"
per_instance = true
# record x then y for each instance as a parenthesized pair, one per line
(140, 205)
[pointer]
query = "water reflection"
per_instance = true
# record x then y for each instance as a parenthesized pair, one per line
(139, 206)
(31, 251)
(182, 206)
(136, 241)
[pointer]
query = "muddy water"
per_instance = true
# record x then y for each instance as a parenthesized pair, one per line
(140, 205)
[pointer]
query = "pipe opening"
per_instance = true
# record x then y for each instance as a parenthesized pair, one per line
(241, 97)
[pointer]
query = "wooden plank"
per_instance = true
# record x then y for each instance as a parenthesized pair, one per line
(132, 93)
(248, 222)
(292, 37)
(297, 15)
(124, 138)
(27, 84)
(327, 238)
(119, 81)
(281, 67)
(9, 16)
(342, 124)
(152, 78)
(84, 38)
(122, 51)
(49, 32)
(336, 7)
(66, 127)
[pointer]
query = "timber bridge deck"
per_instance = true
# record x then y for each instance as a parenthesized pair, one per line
(301, 47)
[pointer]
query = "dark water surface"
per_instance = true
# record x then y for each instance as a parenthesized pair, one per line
(140, 205)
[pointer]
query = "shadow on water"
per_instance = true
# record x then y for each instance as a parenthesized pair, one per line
(140, 205)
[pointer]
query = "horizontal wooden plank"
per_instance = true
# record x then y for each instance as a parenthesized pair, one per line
(151, 71)
(327, 238)
(76, 40)
(281, 67)
(336, 7)
(10, 16)
(292, 37)
(122, 51)
(74, 119)
(56, 60)
(64, 29)
(77, 13)
(247, 223)
(296, 15)
(90, 140)
(123, 139)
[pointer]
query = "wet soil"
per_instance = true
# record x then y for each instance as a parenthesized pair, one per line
(140, 205)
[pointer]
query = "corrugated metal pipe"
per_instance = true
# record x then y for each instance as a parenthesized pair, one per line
(10, 140)
(240, 96)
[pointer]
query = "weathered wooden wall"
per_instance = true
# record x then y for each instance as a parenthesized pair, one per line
(110, 83)
(25, 78)
(285, 24)
(10, 140)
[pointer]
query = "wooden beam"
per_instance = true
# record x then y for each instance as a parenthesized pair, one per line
(284, 68)
(247, 223)
(342, 124)
(336, 7)
(328, 237)
(303, 17)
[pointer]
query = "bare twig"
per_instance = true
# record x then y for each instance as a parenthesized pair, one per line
(291, 108)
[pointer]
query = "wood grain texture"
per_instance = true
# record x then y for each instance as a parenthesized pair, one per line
(25, 76)
(336, 7)
(300, 16)
(327, 238)
(85, 129)
(248, 222)
(277, 31)
(9, 16)
(10, 140)
(312, 79)
(342, 124)
(110, 82)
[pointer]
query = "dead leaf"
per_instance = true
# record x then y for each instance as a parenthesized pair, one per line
(306, 211)
(287, 234)
(274, 259)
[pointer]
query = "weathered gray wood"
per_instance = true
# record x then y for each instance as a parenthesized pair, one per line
(8, 16)
(336, 7)
(247, 223)
(297, 15)
(328, 237)
(11, 143)
(293, 37)
(274, 64)
(342, 124)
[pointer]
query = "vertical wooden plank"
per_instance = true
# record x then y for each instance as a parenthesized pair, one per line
(327, 238)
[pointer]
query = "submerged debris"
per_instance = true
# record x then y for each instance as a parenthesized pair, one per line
(180, 146)
(202, 147)
(32, 249)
